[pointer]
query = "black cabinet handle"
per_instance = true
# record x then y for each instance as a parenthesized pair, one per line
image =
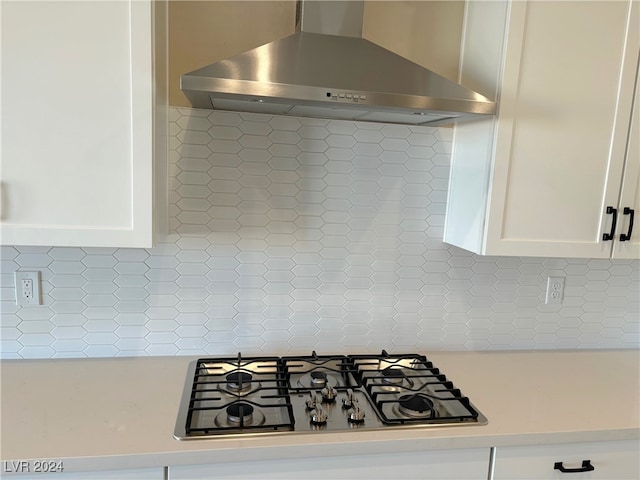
(610, 211)
(631, 213)
(586, 467)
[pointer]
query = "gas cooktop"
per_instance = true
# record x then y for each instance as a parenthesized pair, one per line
(317, 393)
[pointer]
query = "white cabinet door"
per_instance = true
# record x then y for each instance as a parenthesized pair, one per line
(609, 460)
(77, 123)
(446, 464)
(537, 180)
(629, 206)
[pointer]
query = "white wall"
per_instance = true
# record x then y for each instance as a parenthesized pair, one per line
(298, 234)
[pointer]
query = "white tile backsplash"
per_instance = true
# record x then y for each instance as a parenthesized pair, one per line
(293, 234)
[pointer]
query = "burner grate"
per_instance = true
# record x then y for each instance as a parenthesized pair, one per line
(316, 372)
(238, 385)
(390, 379)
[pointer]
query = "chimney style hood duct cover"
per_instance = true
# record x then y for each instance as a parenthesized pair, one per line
(327, 70)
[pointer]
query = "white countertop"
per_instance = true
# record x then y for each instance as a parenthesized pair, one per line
(99, 414)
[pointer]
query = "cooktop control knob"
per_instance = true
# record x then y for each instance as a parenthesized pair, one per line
(311, 402)
(318, 416)
(356, 414)
(348, 401)
(328, 394)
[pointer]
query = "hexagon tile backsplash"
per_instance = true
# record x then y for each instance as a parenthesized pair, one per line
(296, 234)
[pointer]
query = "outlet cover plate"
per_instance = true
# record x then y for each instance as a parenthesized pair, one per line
(28, 294)
(555, 291)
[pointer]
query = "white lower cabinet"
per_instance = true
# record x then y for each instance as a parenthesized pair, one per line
(463, 464)
(601, 460)
(135, 474)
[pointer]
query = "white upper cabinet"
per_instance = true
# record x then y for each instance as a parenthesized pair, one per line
(78, 130)
(629, 205)
(538, 179)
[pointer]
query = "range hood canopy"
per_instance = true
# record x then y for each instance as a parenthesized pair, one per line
(327, 70)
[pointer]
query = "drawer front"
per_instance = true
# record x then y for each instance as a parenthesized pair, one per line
(22, 469)
(610, 460)
(467, 464)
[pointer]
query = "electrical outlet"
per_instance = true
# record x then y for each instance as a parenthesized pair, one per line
(555, 291)
(28, 289)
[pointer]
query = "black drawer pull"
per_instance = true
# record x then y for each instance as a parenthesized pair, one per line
(586, 467)
(614, 212)
(631, 213)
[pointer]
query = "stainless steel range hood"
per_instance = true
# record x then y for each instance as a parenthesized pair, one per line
(327, 70)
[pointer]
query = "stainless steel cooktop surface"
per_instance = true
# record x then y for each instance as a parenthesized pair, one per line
(318, 393)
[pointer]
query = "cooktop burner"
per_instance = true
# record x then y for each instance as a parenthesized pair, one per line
(239, 381)
(268, 395)
(415, 406)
